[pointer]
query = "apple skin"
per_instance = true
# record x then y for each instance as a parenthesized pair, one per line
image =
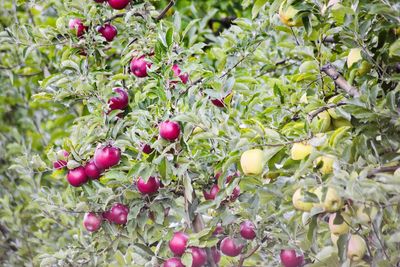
(247, 230)
(356, 248)
(92, 171)
(341, 122)
(146, 148)
(77, 177)
(321, 123)
(212, 193)
(184, 77)
(287, 15)
(252, 162)
(333, 202)
(298, 203)
(178, 243)
(118, 4)
(59, 164)
(366, 214)
(300, 150)
(169, 130)
(290, 259)
(151, 187)
(119, 102)
(230, 247)
(219, 230)
(77, 26)
(92, 221)
(99, 1)
(139, 67)
(173, 262)
(106, 157)
(199, 256)
(118, 214)
(338, 229)
(327, 164)
(220, 102)
(108, 31)
(216, 255)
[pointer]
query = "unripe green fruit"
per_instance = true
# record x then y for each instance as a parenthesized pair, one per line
(300, 150)
(298, 202)
(341, 122)
(325, 163)
(287, 15)
(366, 214)
(332, 201)
(341, 228)
(321, 122)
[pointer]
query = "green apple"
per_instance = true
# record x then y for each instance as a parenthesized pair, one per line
(321, 122)
(364, 68)
(334, 100)
(340, 122)
(356, 248)
(300, 150)
(354, 56)
(366, 213)
(252, 162)
(289, 15)
(325, 163)
(298, 202)
(341, 228)
(329, 199)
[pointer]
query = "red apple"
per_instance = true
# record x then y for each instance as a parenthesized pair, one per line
(118, 214)
(139, 67)
(290, 259)
(99, 1)
(108, 31)
(230, 247)
(118, 4)
(216, 255)
(152, 185)
(59, 164)
(173, 262)
(106, 157)
(92, 221)
(62, 155)
(146, 148)
(178, 243)
(220, 102)
(169, 130)
(247, 230)
(177, 73)
(184, 77)
(212, 194)
(77, 176)
(235, 194)
(218, 229)
(199, 256)
(77, 26)
(119, 102)
(92, 171)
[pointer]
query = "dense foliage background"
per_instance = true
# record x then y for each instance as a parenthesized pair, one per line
(278, 90)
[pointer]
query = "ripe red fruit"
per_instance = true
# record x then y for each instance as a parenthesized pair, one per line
(146, 148)
(139, 67)
(199, 256)
(152, 185)
(216, 254)
(212, 194)
(235, 194)
(184, 77)
(177, 73)
(92, 171)
(108, 31)
(106, 157)
(118, 214)
(218, 230)
(77, 26)
(77, 176)
(178, 243)
(290, 259)
(247, 230)
(59, 164)
(119, 102)
(92, 221)
(169, 130)
(230, 247)
(118, 4)
(220, 102)
(99, 1)
(173, 262)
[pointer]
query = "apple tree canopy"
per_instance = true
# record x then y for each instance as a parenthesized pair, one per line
(200, 133)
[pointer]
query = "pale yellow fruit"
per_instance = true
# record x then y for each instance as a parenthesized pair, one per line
(334, 100)
(340, 228)
(298, 202)
(356, 248)
(354, 56)
(321, 122)
(334, 239)
(300, 150)
(252, 162)
(197, 130)
(340, 122)
(330, 201)
(325, 163)
(287, 15)
(364, 68)
(366, 214)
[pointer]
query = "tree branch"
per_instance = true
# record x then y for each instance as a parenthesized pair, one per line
(198, 225)
(331, 71)
(243, 257)
(165, 10)
(382, 169)
(313, 114)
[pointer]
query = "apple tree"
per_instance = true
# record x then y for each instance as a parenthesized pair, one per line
(200, 133)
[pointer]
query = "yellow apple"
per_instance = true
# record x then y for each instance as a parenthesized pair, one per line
(197, 130)
(325, 163)
(340, 122)
(329, 199)
(343, 227)
(354, 56)
(289, 15)
(252, 162)
(298, 202)
(366, 213)
(321, 122)
(300, 151)
(356, 248)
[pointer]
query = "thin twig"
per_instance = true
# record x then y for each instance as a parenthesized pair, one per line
(313, 114)
(165, 10)
(243, 257)
(331, 71)
(382, 169)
